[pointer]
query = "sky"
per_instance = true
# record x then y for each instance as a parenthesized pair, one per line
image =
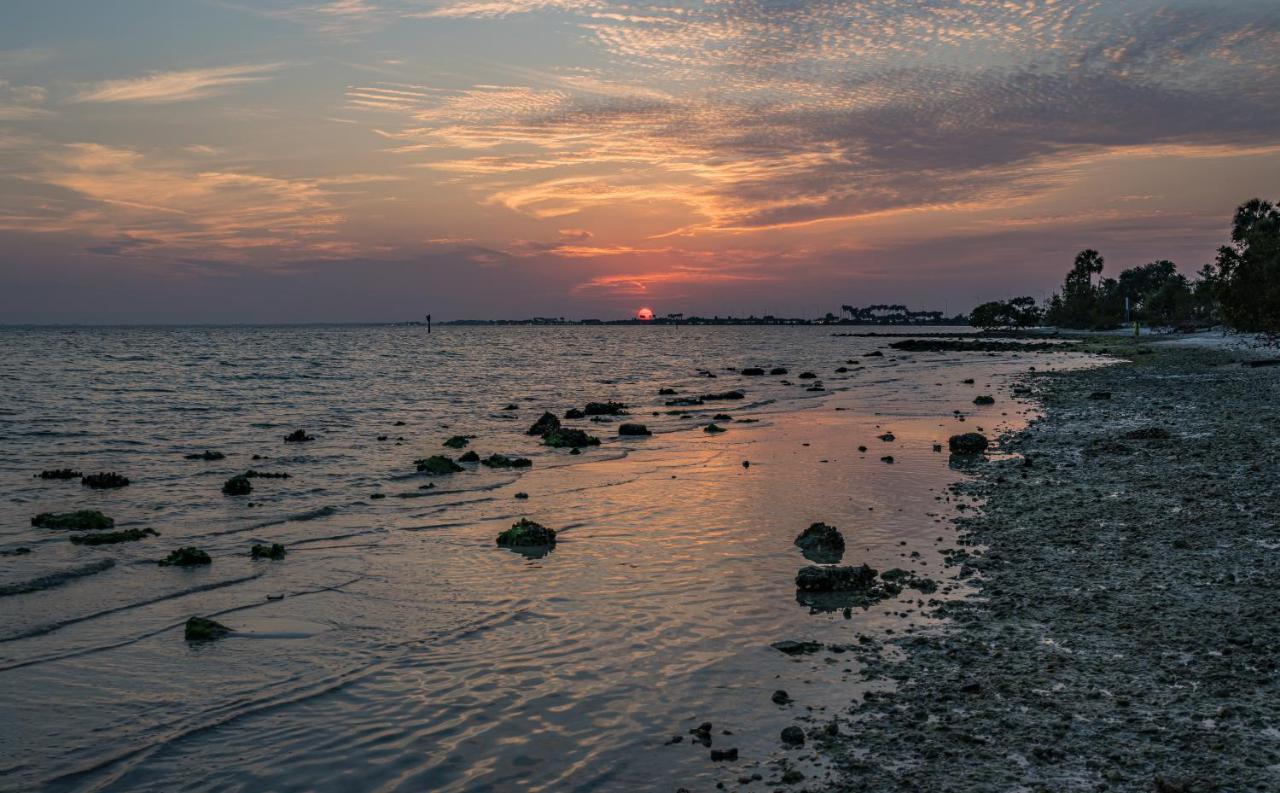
(377, 160)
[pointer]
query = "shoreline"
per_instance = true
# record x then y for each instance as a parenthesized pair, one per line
(1120, 633)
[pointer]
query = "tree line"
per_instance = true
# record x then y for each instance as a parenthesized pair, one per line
(1240, 288)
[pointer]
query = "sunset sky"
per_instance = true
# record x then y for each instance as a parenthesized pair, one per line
(303, 160)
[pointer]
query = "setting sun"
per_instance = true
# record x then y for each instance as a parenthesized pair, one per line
(645, 314)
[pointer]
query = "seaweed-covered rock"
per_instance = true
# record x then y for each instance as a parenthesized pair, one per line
(189, 556)
(968, 443)
(752, 371)
(113, 537)
(546, 423)
(666, 392)
(722, 396)
(208, 456)
(104, 481)
(713, 428)
(874, 354)
(835, 579)
(1147, 434)
(503, 461)
(299, 436)
(567, 437)
(80, 520)
(984, 399)
(778, 370)
(59, 473)
(634, 429)
(793, 736)
(469, 457)
(842, 369)
(525, 533)
(457, 441)
(574, 413)
(437, 465)
(252, 474)
(1100, 395)
(275, 551)
(792, 647)
(821, 543)
(200, 629)
(888, 437)
(807, 376)
(897, 578)
(684, 402)
(238, 485)
(605, 409)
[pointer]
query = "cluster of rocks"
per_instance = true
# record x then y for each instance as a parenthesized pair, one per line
(104, 481)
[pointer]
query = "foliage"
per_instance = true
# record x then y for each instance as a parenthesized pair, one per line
(1019, 312)
(1248, 270)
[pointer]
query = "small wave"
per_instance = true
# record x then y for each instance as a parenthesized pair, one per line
(56, 579)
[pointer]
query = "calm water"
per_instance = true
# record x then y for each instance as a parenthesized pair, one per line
(396, 648)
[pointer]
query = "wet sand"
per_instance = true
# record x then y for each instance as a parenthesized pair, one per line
(1122, 635)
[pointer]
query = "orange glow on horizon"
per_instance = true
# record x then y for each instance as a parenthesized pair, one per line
(644, 314)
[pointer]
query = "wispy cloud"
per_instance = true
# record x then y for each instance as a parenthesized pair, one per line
(177, 86)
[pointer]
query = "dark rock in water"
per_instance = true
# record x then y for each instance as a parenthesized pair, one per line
(808, 376)
(567, 437)
(887, 437)
(713, 428)
(683, 402)
(457, 442)
(382, 437)
(575, 450)
(722, 417)
(888, 458)
(574, 413)
(835, 579)
(237, 486)
(510, 407)
(874, 354)
(60, 473)
(208, 456)
(545, 424)
(793, 736)
(937, 447)
(781, 697)
(778, 370)
(862, 448)
(821, 543)
(113, 537)
(275, 551)
(525, 533)
(752, 371)
(252, 474)
(605, 409)
(21, 550)
(968, 443)
(723, 755)
(634, 429)
(199, 629)
(1100, 395)
(502, 461)
(841, 369)
(817, 387)
(186, 557)
(1147, 434)
(104, 481)
(299, 436)
(666, 392)
(967, 381)
(437, 465)
(791, 647)
(377, 496)
(792, 776)
(81, 520)
(984, 399)
(522, 495)
(469, 457)
(725, 395)
(897, 578)
(746, 463)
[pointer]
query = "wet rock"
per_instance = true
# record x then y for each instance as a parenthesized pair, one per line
(821, 543)
(781, 697)
(842, 369)
(525, 533)
(713, 428)
(634, 429)
(1106, 446)
(984, 399)
(511, 406)
(522, 496)
(275, 551)
(299, 436)
(808, 376)
(722, 417)
(778, 370)
(200, 629)
(937, 447)
(19, 551)
(666, 392)
(1100, 395)
(793, 736)
(835, 579)
(437, 465)
(503, 461)
(1147, 434)
(753, 371)
(792, 776)
(252, 474)
(208, 456)
(189, 556)
(59, 473)
(458, 441)
(723, 755)
(574, 413)
(545, 424)
(968, 443)
(113, 537)
(469, 457)
(684, 402)
(722, 396)
(897, 579)
(104, 481)
(605, 409)
(238, 485)
(791, 647)
(968, 381)
(874, 354)
(567, 437)
(887, 437)
(80, 520)
(888, 458)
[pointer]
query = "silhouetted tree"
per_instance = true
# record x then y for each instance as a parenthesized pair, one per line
(1248, 270)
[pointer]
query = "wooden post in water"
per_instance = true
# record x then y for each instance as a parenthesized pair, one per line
(428, 323)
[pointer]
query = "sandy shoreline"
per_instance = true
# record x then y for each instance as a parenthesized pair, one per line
(1123, 634)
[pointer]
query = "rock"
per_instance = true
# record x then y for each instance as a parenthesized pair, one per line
(113, 537)
(752, 371)
(575, 450)
(566, 437)
(81, 520)
(437, 465)
(791, 647)
(238, 485)
(897, 578)
(967, 381)
(888, 458)
(605, 409)
(792, 776)
(835, 579)
(1107, 446)
(724, 395)
(984, 399)
(793, 736)
(104, 481)
(778, 370)
(841, 369)
(457, 441)
(275, 551)
(666, 392)
(781, 697)
(722, 417)
(186, 557)
(874, 354)
(634, 429)
(723, 755)
(545, 424)
(968, 443)
(887, 437)
(808, 376)
(502, 461)
(207, 456)
(937, 447)
(522, 495)
(510, 407)
(971, 687)
(574, 413)
(299, 436)
(59, 473)
(1100, 395)
(525, 533)
(469, 457)
(746, 463)
(713, 428)
(1147, 434)
(200, 629)
(377, 496)
(821, 543)
(862, 448)
(683, 402)
(252, 474)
